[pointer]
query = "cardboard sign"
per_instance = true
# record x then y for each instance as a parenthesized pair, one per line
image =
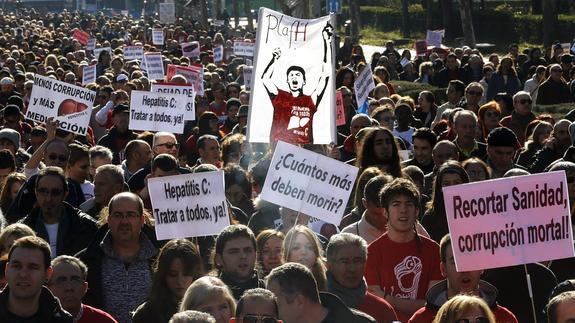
(91, 44)
(218, 54)
(152, 111)
(189, 205)
(88, 74)
(193, 74)
(434, 38)
(154, 65)
(248, 73)
(340, 120)
(509, 221)
(97, 51)
(187, 90)
(134, 52)
(81, 36)
(244, 48)
(420, 48)
(167, 12)
(158, 36)
(67, 103)
(363, 85)
(293, 88)
(191, 49)
(308, 182)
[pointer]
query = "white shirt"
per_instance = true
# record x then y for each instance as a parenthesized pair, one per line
(53, 237)
(364, 229)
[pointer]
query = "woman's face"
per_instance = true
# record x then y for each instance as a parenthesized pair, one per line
(543, 136)
(348, 80)
(491, 118)
(235, 194)
(422, 100)
(473, 314)
(450, 179)
(218, 308)
(272, 253)
(14, 190)
(382, 146)
(476, 172)
(177, 279)
(302, 251)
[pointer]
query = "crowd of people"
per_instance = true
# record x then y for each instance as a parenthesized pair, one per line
(77, 238)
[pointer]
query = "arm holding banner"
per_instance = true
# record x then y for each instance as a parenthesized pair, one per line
(102, 114)
(269, 84)
(319, 91)
(38, 155)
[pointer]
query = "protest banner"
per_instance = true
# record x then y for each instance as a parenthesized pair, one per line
(420, 48)
(218, 54)
(157, 36)
(244, 48)
(154, 111)
(154, 65)
(189, 205)
(134, 52)
(67, 103)
(509, 221)
(309, 183)
(340, 120)
(194, 75)
(97, 51)
(248, 73)
(191, 49)
(187, 90)
(81, 36)
(299, 108)
(434, 38)
(363, 86)
(91, 44)
(167, 12)
(88, 74)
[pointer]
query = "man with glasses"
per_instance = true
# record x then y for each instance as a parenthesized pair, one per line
(120, 274)
(473, 94)
(67, 229)
(521, 115)
(68, 284)
(346, 258)
(554, 90)
(257, 305)
(456, 283)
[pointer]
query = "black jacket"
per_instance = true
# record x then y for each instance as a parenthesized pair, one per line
(49, 311)
(339, 313)
(75, 231)
(116, 142)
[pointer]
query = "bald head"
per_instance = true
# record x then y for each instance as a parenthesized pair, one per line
(444, 151)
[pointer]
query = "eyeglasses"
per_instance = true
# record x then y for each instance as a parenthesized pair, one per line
(127, 215)
(475, 93)
(525, 101)
(491, 114)
(45, 192)
(479, 319)
(74, 280)
(60, 158)
(169, 145)
(259, 318)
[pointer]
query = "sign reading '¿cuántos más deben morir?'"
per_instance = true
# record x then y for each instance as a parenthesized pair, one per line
(509, 221)
(189, 205)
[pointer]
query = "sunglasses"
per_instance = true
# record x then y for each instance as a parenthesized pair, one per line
(474, 93)
(169, 145)
(525, 101)
(479, 319)
(491, 114)
(259, 318)
(60, 158)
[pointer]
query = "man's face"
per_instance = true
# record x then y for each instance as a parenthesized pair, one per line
(144, 155)
(4, 172)
(125, 220)
(451, 63)
(288, 312)
(166, 144)
(80, 170)
(561, 132)
(238, 258)
(401, 214)
(348, 266)
(56, 155)
(375, 214)
(233, 113)
(97, 162)
(211, 152)
(7, 144)
(358, 124)
(50, 194)
(465, 128)
(383, 146)
(565, 311)
(256, 309)
(501, 157)
(522, 104)
(459, 282)
(295, 80)
(102, 98)
(452, 95)
(443, 153)
(121, 121)
(473, 95)
(422, 151)
(25, 273)
(6, 88)
(68, 284)
(104, 188)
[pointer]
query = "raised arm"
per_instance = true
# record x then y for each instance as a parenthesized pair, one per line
(319, 91)
(268, 73)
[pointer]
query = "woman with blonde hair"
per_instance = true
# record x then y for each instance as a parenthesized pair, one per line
(301, 245)
(210, 295)
(464, 309)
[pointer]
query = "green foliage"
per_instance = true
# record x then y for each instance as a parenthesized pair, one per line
(412, 90)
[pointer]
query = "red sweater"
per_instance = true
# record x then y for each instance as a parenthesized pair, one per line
(378, 308)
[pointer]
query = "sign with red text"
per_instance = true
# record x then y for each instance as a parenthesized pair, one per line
(340, 120)
(193, 74)
(509, 221)
(81, 36)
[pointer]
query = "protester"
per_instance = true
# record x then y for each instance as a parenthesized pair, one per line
(256, 305)
(463, 308)
(269, 253)
(302, 246)
(210, 295)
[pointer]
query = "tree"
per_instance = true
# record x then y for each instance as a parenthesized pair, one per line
(550, 21)
(355, 21)
(467, 23)
(204, 13)
(248, 13)
(236, 7)
(446, 14)
(428, 4)
(405, 27)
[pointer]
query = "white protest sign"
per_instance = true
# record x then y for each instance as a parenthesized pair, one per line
(158, 36)
(248, 72)
(191, 49)
(153, 111)
(88, 74)
(193, 74)
(289, 108)
(244, 48)
(218, 54)
(134, 52)
(167, 12)
(309, 183)
(434, 38)
(154, 65)
(67, 103)
(189, 205)
(509, 221)
(97, 51)
(363, 85)
(91, 44)
(188, 90)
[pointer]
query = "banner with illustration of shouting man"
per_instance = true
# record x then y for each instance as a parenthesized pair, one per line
(293, 83)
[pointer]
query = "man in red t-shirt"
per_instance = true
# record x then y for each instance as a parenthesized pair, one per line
(402, 265)
(293, 110)
(468, 283)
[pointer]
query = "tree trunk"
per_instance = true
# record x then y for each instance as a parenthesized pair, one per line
(248, 13)
(204, 13)
(467, 23)
(429, 14)
(549, 21)
(355, 20)
(406, 30)
(446, 14)
(236, 6)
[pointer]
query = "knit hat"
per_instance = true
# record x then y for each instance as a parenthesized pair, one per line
(11, 135)
(502, 137)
